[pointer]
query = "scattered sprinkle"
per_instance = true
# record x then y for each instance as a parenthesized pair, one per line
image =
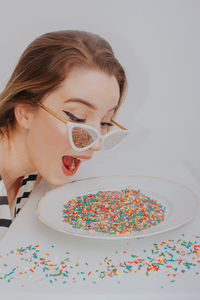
(173, 257)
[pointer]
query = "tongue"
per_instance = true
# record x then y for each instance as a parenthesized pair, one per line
(67, 160)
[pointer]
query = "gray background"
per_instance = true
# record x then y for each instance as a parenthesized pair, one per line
(157, 41)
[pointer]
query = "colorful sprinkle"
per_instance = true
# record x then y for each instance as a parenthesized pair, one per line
(81, 137)
(173, 257)
(114, 212)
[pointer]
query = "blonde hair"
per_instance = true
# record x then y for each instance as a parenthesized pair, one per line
(47, 61)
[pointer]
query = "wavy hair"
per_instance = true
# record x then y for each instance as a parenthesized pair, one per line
(47, 61)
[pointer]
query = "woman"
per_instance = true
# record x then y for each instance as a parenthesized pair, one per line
(62, 95)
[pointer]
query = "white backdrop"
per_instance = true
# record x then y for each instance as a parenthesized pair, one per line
(157, 41)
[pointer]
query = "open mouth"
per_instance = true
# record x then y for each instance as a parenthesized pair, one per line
(71, 164)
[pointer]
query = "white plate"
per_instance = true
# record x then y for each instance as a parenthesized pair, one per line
(179, 201)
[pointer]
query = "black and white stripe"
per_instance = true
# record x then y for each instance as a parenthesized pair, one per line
(24, 191)
(22, 196)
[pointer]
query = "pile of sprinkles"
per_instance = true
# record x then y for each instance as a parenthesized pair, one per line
(114, 211)
(173, 258)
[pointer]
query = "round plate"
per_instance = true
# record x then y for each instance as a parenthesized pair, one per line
(179, 201)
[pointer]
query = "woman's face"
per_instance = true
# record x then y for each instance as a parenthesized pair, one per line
(85, 96)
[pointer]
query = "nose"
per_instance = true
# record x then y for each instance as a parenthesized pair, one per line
(97, 146)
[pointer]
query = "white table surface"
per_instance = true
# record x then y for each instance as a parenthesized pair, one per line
(28, 230)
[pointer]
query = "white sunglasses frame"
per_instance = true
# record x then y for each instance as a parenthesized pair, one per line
(71, 125)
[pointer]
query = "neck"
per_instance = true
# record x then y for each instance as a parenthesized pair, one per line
(14, 161)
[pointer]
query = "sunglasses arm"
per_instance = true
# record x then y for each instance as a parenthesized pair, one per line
(118, 125)
(64, 121)
(51, 112)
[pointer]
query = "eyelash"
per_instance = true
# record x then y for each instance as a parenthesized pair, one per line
(107, 124)
(74, 118)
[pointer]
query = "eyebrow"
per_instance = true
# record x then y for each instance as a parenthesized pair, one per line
(88, 104)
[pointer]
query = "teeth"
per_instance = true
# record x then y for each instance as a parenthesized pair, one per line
(72, 166)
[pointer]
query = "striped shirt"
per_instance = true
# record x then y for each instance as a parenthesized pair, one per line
(8, 214)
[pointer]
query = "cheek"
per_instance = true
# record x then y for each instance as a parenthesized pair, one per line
(104, 130)
(47, 141)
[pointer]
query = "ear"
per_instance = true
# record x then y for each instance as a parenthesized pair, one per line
(24, 114)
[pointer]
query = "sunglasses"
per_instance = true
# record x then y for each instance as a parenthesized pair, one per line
(82, 136)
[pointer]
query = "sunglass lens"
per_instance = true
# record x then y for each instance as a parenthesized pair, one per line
(114, 139)
(83, 137)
